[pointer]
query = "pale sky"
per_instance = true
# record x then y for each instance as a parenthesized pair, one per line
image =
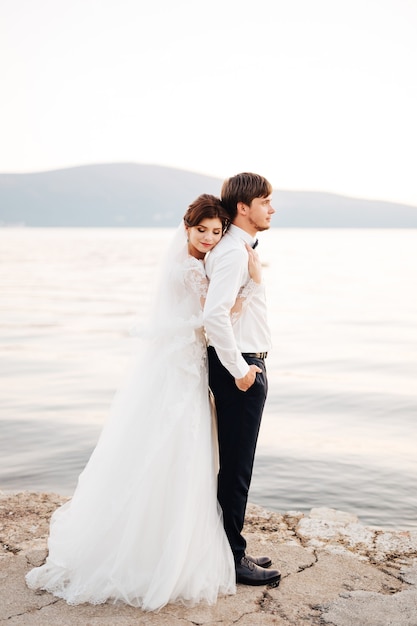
(313, 94)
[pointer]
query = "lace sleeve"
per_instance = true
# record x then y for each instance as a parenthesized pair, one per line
(195, 278)
(244, 296)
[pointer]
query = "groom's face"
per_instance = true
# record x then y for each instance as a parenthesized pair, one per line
(260, 212)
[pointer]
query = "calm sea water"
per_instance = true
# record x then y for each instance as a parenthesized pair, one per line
(340, 426)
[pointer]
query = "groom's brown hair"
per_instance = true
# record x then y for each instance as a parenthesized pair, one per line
(243, 188)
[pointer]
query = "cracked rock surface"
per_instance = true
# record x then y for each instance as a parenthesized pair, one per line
(334, 571)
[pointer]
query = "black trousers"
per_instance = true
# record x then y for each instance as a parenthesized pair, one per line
(239, 415)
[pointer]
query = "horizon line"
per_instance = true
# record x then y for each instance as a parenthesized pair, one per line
(199, 173)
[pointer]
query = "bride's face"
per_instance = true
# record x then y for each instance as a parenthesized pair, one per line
(203, 237)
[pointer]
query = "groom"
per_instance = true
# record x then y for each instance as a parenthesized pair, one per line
(237, 353)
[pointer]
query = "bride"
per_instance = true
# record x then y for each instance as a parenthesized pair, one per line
(144, 526)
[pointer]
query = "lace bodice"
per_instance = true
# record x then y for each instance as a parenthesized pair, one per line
(196, 280)
(195, 277)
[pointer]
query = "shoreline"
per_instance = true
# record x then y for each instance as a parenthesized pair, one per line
(335, 571)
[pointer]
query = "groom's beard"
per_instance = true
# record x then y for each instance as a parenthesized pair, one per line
(259, 227)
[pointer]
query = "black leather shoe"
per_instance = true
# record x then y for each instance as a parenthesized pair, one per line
(248, 573)
(262, 561)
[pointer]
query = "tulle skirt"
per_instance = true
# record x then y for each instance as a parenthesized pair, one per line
(144, 526)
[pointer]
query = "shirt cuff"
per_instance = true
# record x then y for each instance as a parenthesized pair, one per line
(234, 363)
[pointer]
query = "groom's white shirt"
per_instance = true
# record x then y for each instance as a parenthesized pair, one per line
(227, 269)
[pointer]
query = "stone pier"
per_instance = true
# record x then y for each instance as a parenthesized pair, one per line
(335, 571)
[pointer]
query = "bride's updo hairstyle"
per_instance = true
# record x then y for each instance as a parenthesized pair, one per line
(206, 206)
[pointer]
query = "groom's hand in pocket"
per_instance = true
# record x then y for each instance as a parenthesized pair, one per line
(247, 381)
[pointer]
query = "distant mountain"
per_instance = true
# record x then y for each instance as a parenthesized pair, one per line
(128, 194)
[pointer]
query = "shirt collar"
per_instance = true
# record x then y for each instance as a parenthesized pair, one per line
(241, 234)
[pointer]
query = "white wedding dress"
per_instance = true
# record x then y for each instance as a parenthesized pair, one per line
(144, 526)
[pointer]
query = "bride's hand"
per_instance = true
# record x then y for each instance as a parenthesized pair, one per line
(254, 264)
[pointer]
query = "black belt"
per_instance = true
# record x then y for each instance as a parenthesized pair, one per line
(255, 355)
